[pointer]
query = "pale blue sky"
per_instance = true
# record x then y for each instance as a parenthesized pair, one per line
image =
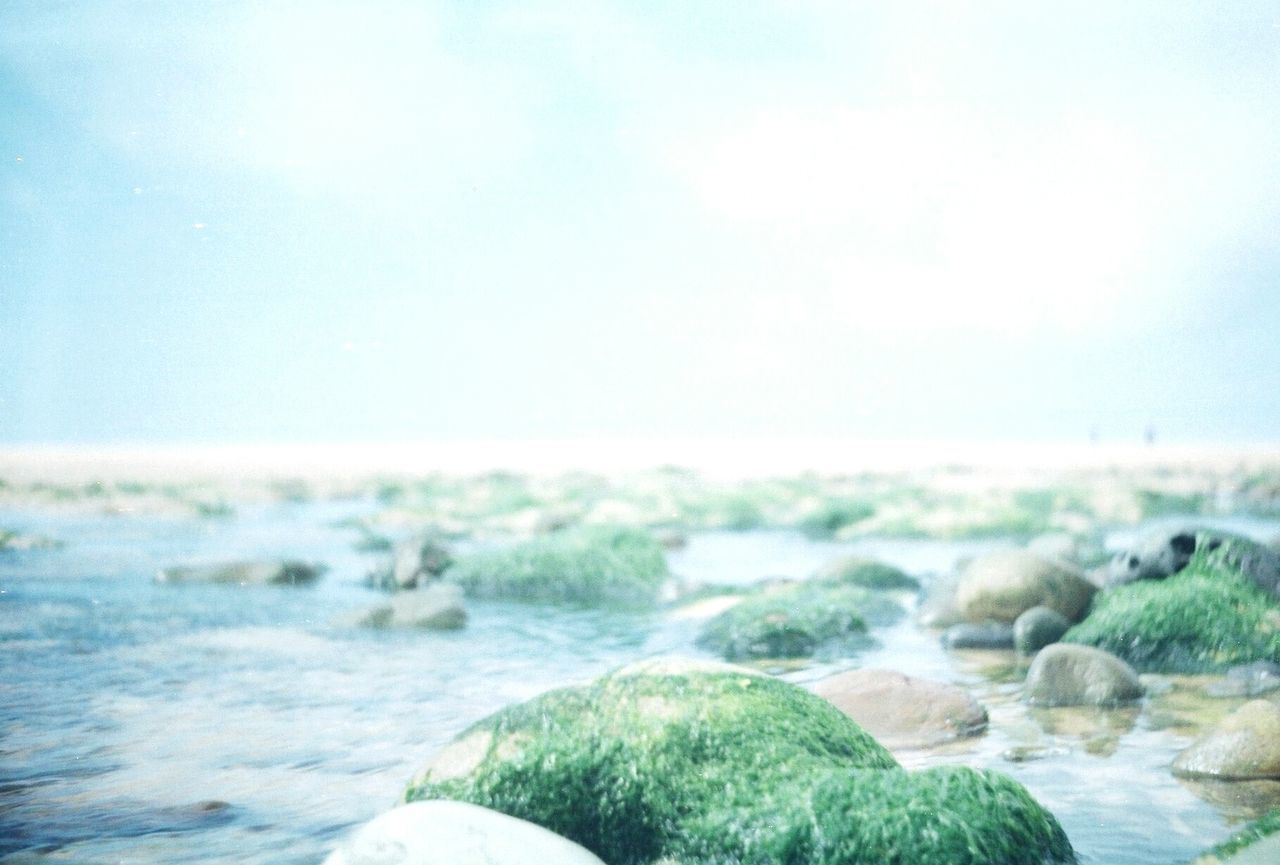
(327, 221)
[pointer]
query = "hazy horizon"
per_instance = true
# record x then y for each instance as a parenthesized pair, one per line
(334, 222)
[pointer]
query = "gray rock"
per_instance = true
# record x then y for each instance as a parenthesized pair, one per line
(415, 560)
(1245, 745)
(1247, 680)
(284, 573)
(1038, 627)
(1064, 674)
(1163, 553)
(1003, 585)
(441, 832)
(903, 711)
(988, 635)
(435, 607)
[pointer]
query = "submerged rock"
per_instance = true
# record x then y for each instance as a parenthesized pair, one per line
(1001, 586)
(1038, 627)
(797, 620)
(586, 566)
(701, 763)
(435, 607)
(903, 711)
(1207, 617)
(285, 573)
(988, 635)
(1245, 745)
(1066, 675)
(455, 833)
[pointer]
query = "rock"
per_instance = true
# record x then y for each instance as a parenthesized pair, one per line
(797, 620)
(1208, 617)
(1001, 586)
(710, 763)
(417, 559)
(18, 542)
(868, 573)
(988, 635)
(585, 566)
(1079, 550)
(1161, 554)
(1067, 675)
(435, 607)
(1038, 627)
(1247, 680)
(902, 711)
(1154, 556)
(285, 573)
(455, 833)
(1245, 745)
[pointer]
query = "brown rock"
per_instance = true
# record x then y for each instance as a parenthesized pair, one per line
(1244, 745)
(902, 711)
(1002, 586)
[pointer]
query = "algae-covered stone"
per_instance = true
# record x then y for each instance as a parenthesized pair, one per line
(1065, 675)
(797, 621)
(1244, 745)
(1206, 618)
(712, 764)
(1001, 586)
(588, 566)
(868, 573)
(1255, 844)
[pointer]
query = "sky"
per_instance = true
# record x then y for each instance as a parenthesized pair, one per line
(392, 221)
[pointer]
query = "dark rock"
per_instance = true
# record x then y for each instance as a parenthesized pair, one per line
(1038, 627)
(285, 573)
(989, 635)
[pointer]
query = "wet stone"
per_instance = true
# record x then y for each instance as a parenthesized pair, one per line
(990, 635)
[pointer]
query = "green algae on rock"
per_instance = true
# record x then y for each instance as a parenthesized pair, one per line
(1205, 618)
(798, 620)
(706, 763)
(1265, 829)
(869, 573)
(588, 566)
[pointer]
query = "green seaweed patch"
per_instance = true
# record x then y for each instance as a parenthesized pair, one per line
(1267, 824)
(833, 515)
(1205, 618)
(868, 573)
(798, 620)
(722, 766)
(586, 566)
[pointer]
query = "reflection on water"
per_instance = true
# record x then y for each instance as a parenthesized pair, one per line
(205, 723)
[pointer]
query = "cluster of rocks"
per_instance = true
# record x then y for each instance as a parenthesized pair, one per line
(693, 761)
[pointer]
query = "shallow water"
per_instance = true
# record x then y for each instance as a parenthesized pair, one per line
(151, 723)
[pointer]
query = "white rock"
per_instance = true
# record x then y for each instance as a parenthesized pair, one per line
(441, 832)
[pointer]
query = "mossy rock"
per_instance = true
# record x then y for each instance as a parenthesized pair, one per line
(587, 566)
(798, 620)
(833, 515)
(1205, 618)
(705, 763)
(868, 573)
(1264, 830)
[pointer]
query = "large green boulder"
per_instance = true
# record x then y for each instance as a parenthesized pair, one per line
(1205, 618)
(701, 763)
(798, 620)
(589, 566)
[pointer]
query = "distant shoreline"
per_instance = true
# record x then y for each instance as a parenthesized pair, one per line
(730, 458)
